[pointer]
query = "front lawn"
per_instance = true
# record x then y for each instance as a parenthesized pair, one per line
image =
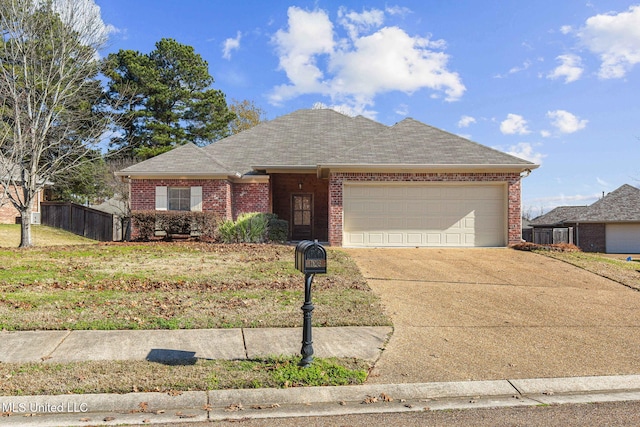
(624, 272)
(41, 236)
(174, 286)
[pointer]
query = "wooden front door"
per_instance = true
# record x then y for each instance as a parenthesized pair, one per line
(301, 216)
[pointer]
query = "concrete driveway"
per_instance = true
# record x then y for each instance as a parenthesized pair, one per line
(481, 314)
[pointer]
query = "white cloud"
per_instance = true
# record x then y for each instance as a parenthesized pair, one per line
(566, 122)
(398, 10)
(231, 44)
(345, 109)
(372, 60)
(355, 23)
(545, 133)
(615, 38)
(402, 110)
(602, 182)
(570, 68)
(84, 16)
(514, 124)
(310, 34)
(465, 121)
(525, 150)
(566, 29)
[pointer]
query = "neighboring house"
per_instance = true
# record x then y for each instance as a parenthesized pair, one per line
(610, 225)
(8, 213)
(349, 181)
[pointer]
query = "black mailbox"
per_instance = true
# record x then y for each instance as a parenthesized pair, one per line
(311, 257)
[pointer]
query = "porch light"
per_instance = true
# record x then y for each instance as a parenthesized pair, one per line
(300, 185)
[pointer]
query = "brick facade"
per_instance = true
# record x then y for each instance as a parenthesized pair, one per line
(9, 214)
(590, 237)
(229, 200)
(216, 194)
(250, 197)
(222, 197)
(283, 186)
(336, 180)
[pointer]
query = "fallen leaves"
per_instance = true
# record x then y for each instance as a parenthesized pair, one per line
(271, 406)
(234, 407)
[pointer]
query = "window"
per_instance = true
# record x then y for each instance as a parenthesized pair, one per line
(302, 210)
(179, 198)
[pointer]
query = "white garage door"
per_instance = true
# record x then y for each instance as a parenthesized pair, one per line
(418, 214)
(623, 238)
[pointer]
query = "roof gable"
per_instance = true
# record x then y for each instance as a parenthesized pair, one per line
(308, 139)
(187, 159)
(621, 205)
(411, 142)
(304, 138)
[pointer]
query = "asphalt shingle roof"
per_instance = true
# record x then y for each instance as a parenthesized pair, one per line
(558, 215)
(621, 205)
(188, 159)
(309, 138)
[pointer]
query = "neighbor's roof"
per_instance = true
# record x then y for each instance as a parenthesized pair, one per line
(308, 139)
(621, 205)
(558, 215)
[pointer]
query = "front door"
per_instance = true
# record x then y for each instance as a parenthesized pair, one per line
(301, 216)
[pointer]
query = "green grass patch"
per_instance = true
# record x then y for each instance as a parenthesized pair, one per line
(605, 265)
(41, 236)
(143, 376)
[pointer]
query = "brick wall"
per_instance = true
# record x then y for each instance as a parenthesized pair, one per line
(591, 237)
(284, 185)
(8, 213)
(250, 197)
(216, 195)
(511, 179)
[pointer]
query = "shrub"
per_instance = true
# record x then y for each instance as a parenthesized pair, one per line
(558, 247)
(200, 224)
(253, 227)
(145, 223)
(278, 229)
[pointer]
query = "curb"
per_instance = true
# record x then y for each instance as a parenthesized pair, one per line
(151, 408)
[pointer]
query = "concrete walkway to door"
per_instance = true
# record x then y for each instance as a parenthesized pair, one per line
(481, 314)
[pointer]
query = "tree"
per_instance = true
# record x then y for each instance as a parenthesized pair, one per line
(248, 115)
(167, 99)
(49, 95)
(88, 183)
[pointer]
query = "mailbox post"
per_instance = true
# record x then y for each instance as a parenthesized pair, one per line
(311, 259)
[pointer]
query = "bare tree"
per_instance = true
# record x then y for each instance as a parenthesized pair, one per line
(48, 95)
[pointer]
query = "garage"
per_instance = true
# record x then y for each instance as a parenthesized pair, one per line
(623, 238)
(424, 214)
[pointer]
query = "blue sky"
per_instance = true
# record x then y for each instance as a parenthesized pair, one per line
(554, 82)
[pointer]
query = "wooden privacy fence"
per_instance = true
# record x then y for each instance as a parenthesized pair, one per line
(548, 236)
(78, 219)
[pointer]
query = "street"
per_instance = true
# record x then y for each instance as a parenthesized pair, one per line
(595, 414)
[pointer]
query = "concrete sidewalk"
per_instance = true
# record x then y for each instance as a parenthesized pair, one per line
(188, 344)
(167, 345)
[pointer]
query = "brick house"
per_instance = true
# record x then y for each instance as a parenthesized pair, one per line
(349, 181)
(8, 213)
(610, 225)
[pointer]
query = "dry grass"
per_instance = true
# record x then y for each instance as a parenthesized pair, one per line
(619, 270)
(41, 236)
(175, 286)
